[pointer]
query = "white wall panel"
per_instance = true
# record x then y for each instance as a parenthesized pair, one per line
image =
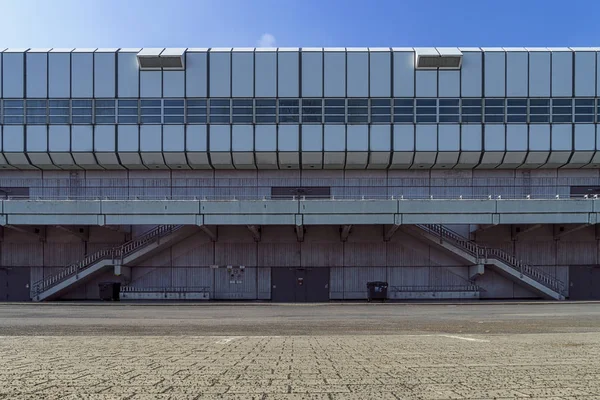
(539, 74)
(150, 83)
(195, 138)
(470, 137)
(266, 138)
(265, 74)
(173, 83)
(539, 137)
(288, 138)
(404, 74)
(585, 137)
(562, 137)
(288, 79)
(242, 138)
(380, 74)
(59, 138)
(37, 138)
(173, 137)
(335, 138)
(312, 74)
(585, 73)
(59, 75)
(426, 83)
(151, 138)
(449, 137)
(82, 138)
(495, 137)
(471, 74)
(335, 74)
(128, 75)
(13, 74)
(312, 137)
(357, 68)
(562, 73)
(220, 138)
(82, 75)
(128, 138)
(380, 138)
(105, 74)
(449, 83)
(517, 72)
(195, 74)
(404, 137)
(242, 74)
(426, 138)
(220, 74)
(516, 137)
(37, 75)
(13, 138)
(494, 73)
(357, 138)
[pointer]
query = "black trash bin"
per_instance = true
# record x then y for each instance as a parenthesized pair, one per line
(377, 290)
(109, 291)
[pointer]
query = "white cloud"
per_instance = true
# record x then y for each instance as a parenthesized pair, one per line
(266, 40)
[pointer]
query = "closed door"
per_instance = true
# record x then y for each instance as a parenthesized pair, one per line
(299, 284)
(584, 282)
(14, 284)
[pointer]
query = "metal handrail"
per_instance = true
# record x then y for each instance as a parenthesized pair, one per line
(485, 252)
(114, 253)
(438, 288)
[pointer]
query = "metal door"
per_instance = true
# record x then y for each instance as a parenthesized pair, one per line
(283, 285)
(584, 282)
(14, 284)
(317, 284)
(299, 284)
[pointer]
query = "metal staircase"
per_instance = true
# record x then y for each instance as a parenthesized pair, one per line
(52, 286)
(534, 278)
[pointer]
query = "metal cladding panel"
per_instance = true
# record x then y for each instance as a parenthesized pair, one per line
(516, 137)
(128, 138)
(196, 138)
(562, 73)
(82, 138)
(585, 137)
(494, 74)
(335, 138)
(59, 138)
(104, 137)
(105, 65)
(470, 137)
(449, 137)
(335, 74)
(59, 75)
(288, 138)
(288, 74)
(517, 73)
(37, 138)
(128, 76)
(220, 138)
(364, 254)
(426, 83)
(196, 74)
(357, 138)
(357, 68)
(562, 137)
(312, 74)
(151, 138)
(242, 138)
(279, 254)
(539, 74)
(380, 74)
(265, 138)
(404, 138)
(150, 83)
(539, 137)
(404, 74)
(426, 138)
(494, 137)
(242, 74)
(585, 73)
(449, 83)
(173, 138)
(37, 75)
(380, 138)
(173, 83)
(13, 75)
(312, 138)
(471, 74)
(82, 75)
(265, 74)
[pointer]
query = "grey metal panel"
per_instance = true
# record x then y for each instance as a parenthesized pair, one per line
(82, 75)
(104, 138)
(196, 138)
(404, 137)
(37, 138)
(37, 75)
(449, 83)
(173, 138)
(539, 137)
(59, 75)
(562, 137)
(495, 137)
(150, 83)
(470, 137)
(242, 74)
(59, 138)
(426, 138)
(471, 73)
(357, 138)
(150, 138)
(128, 138)
(265, 74)
(516, 137)
(288, 138)
(173, 83)
(357, 68)
(585, 137)
(242, 138)
(539, 74)
(449, 137)
(517, 72)
(562, 73)
(312, 137)
(426, 83)
(288, 78)
(380, 138)
(127, 75)
(105, 73)
(585, 73)
(494, 74)
(196, 74)
(380, 74)
(335, 74)
(220, 138)
(13, 75)
(220, 74)
(404, 74)
(335, 138)
(266, 137)
(312, 74)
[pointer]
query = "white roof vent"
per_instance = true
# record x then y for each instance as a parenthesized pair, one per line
(161, 59)
(442, 58)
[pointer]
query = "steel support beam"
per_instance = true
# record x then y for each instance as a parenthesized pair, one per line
(35, 231)
(210, 231)
(256, 232)
(517, 231)
(345, 232)
(300, 232)
(389, 232)
(560, 230)
(81, 232)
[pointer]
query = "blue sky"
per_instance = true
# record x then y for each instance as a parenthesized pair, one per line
(292, 23)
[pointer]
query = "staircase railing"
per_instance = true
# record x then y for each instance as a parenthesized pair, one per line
(116, 253)
(483, 252)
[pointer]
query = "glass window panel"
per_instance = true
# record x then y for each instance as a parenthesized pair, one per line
(150, 103)
(403, 119)
(196, 119)
(196, 111)
(449, 118)
(380, 111)
(58, 119)
(265, 119)
(516, 110)
(311, 103)
(562, 102)
(381, 119)
(221, 119)
(311, 118)
(60, 103)
(426, 118)
(219, 103)
(380, 102)
(358, 119)
(335, 118)
(494, 103)
(243, 102)
(539, 118)
(561, 110)
(539, 102)
(358, 110)
(128, 111)
(173, 103)
(196, 102)
(13, 111)
(539, 110)
(403, 110)
(448, 102)
(516, 102)
(288, 118)
(151, 111)
(13, 103)
(584, 102)
(562, 118)
(335, 103)
(126, 103)
(288, 103)
(105, 119)
(471, 102)
(82, 103)
(516, 118)
(82, 119)
(471, 118)
(494, 118)
(151, 119)
(584, 118)
(426, 102)
(449, 110)
(127, 119)
(242, 119)
(404, 102)
(265, 103)
(173, 111)
(173, 119)
(219, 110)
(265, 110)
(335, 110)
(357, 102)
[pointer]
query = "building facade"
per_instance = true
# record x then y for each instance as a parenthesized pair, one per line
(291, 174)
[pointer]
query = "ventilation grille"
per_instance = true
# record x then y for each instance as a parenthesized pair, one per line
(440, 61)
(160, 62)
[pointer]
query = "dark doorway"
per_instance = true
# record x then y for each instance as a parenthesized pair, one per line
(309, 192)
(14, 284)
(289, 285)
(584, 282)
